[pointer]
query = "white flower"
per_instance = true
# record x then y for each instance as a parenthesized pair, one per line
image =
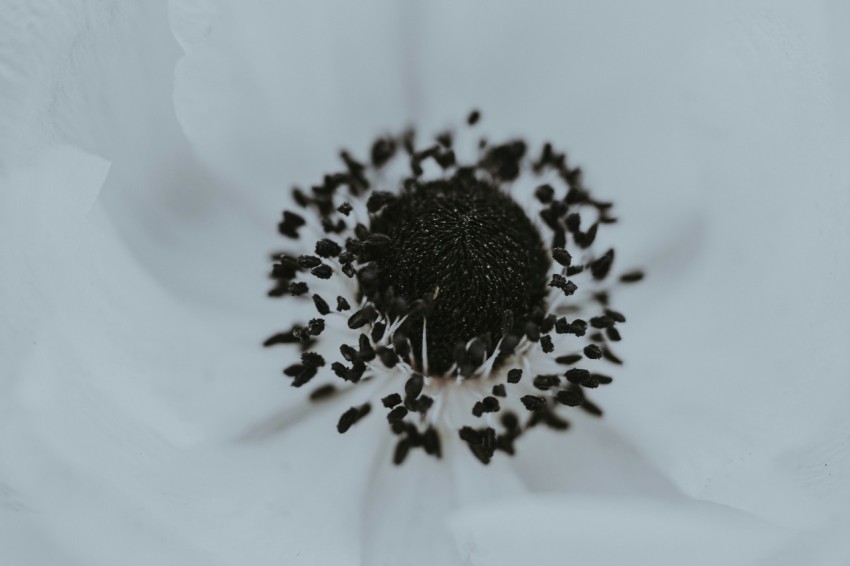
(141, 178)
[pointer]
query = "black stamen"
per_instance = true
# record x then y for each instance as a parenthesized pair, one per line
(514, 375)
(351, 416)
(593, 352)
(321, 305)
(391, 400)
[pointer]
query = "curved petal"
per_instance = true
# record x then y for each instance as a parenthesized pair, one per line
(264, 88)
(93, 74)
(601, 530)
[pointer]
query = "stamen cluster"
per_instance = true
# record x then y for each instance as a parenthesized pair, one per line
(430, 275)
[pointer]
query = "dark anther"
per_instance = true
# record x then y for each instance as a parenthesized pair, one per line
(366, 353)
(377, 240)
(378, 331)
(286, 268)
(298, 288)
(391, 400)
(422, 404)
(579, 377)
(510, 420)
(321, 305)
(532, 331)
(322, 392)
(342, 304)
(491, 404)
(503, 161)
(378, 200)
(604, 321)
(562, 326)
(613, 334)
(631, 277)
(431, 442)
(499, 390)
(312, 359)
(327, 248)
(574, 270)
(618, 317)
(349, 353)
(600, 267)
(397, 414)
(315, 326)
(382, 151)
(544, 193)
(514, 375)
(290, 224)
(402, 449)
(571, 396)
(578, 327)
(280, 338)
(301, 374)
(569, 359)
(361, 231)
(533, 403)
(351, 416)
(473, 117)
(322, 272)
(602, 379)
(302, 334)
(481, 442)
(509, 344)
(546, 344)
(413, 386)
(585, 239)
(401, 345)
(331, 227)
(299, 196)
(593, 352)
(446, 159)
(388, 357)
(345, 208)
(573, 222)
(562, 256)
(361, 317)
(340, 370)
(478, 409)
(545, 382)
(560, 282)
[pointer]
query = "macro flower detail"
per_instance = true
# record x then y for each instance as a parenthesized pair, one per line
(463, 280)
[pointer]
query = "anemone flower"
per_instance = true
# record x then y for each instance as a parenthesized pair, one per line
(148, 150)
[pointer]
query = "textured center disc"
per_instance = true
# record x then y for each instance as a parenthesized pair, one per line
(474, 245)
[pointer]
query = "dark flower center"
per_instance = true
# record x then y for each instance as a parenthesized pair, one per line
(469, 245)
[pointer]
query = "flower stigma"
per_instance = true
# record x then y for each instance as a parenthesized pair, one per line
(450, 285)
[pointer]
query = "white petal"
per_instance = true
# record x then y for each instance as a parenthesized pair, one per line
(95, 74)
(600, 530)
(268, 93)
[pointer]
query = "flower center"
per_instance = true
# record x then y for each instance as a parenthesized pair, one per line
(470, 247)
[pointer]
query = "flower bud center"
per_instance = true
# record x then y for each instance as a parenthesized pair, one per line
(471, 247)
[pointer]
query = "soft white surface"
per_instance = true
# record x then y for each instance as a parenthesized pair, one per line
(145, 154)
